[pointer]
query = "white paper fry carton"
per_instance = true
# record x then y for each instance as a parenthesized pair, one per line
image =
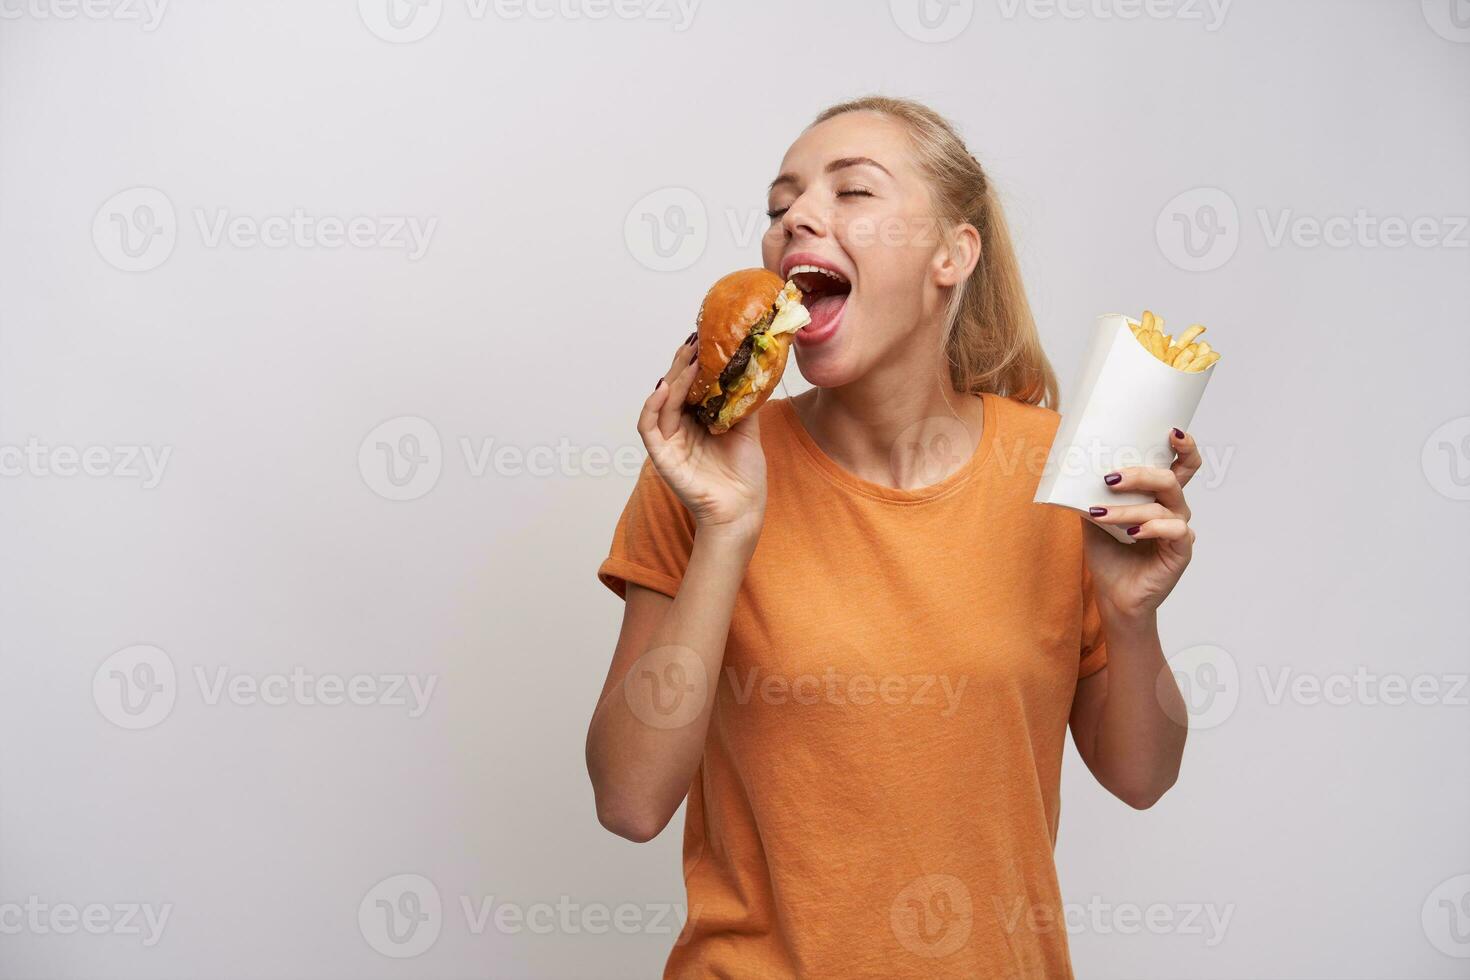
(1119, 414)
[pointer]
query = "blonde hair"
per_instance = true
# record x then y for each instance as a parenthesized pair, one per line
(990, 336)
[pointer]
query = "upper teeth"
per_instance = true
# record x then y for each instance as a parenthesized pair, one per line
(815, 268)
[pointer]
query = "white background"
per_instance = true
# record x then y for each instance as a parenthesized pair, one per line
(544, 150)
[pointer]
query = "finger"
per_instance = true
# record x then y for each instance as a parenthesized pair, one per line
(1131, 514)
(681, 354)
(676, 366)
(1150, 479)
(1164, 529)
(681, 357)
(1187, 460)
(648, 426)
(670, 415)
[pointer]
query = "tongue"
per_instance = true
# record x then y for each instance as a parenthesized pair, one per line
(824, 309)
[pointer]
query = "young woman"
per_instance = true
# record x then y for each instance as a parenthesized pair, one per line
(859, 661)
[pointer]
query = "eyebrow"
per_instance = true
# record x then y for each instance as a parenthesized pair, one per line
(841, 163)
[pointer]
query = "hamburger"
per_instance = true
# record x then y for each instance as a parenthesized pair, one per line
(745, 326)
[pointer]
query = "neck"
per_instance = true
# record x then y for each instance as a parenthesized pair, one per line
(900, 425)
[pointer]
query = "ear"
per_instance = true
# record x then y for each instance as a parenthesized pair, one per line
(954, 262)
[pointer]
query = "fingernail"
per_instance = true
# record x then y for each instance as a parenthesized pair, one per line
(1178, 434)
(1097, 511)
(695, 356)
(1113, 479)
(657, 383)
(1134, 529)
(690, 339)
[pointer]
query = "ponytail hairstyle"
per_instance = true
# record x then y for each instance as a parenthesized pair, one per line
(990, 337)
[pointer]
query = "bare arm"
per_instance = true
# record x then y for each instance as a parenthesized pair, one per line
(647, 734)
(1129, 720)
(1126, 717)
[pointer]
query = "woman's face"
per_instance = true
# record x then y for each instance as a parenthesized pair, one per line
(849, 199)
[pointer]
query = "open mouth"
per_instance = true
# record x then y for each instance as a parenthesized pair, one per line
(824, 294)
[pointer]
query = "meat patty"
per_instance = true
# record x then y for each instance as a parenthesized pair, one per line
(709, 412)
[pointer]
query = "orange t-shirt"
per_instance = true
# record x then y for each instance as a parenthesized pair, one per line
(879, 789)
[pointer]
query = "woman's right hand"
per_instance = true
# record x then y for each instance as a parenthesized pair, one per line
(720, 479)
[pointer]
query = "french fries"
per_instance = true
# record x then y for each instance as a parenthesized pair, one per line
(1183, 353)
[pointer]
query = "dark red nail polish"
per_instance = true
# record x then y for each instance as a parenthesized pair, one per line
(657, 383)
(1178, 434)
(1113, 479)
(690, 339)
(695, 356)
(1134, 529)
(1097, 511)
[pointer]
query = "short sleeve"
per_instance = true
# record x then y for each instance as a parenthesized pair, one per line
(1094, 644)
(652, 541)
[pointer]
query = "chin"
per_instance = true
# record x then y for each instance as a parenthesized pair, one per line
(828, 366)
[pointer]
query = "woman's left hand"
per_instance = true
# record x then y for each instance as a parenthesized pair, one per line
(1135, 579)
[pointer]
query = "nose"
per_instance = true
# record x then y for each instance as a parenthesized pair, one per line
(803, 217)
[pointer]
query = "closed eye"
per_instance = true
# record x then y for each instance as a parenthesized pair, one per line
(774, 213)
